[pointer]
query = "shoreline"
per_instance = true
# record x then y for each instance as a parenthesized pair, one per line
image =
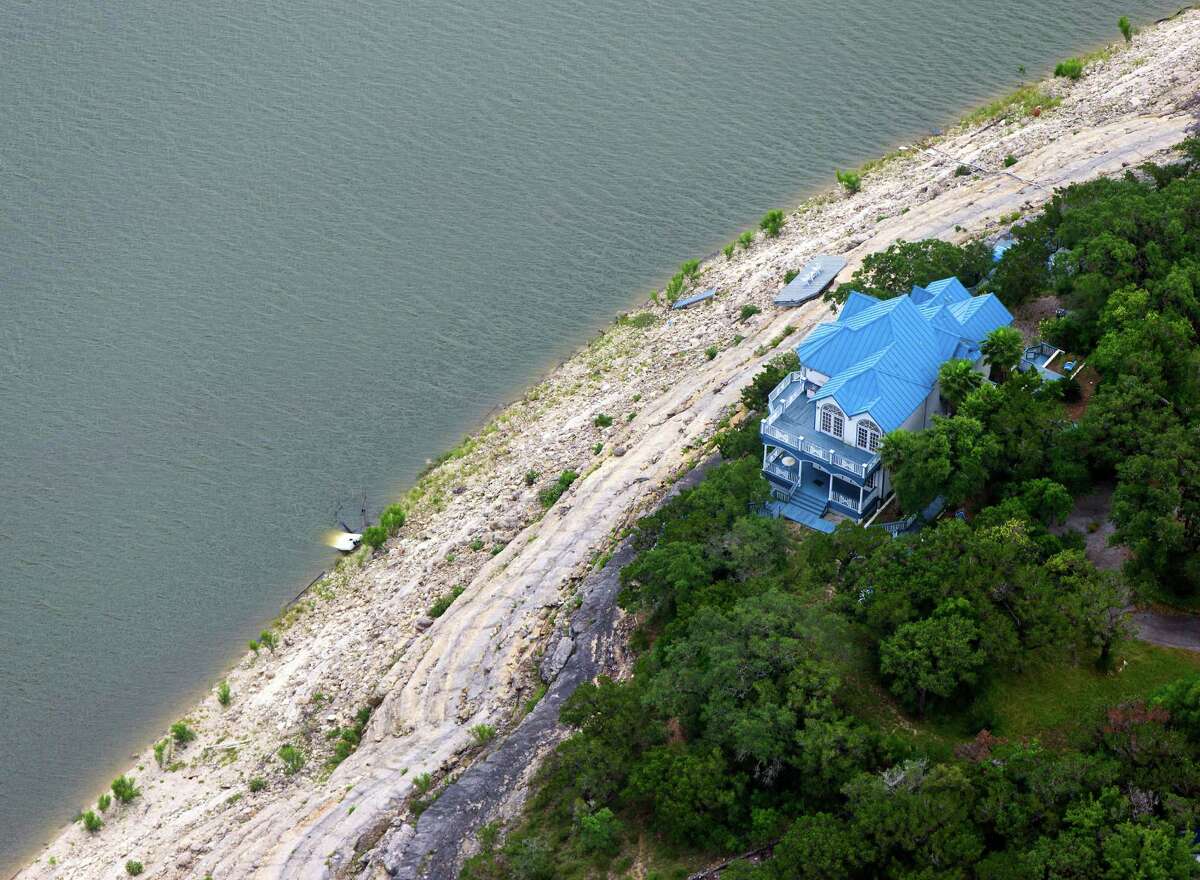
(284, 807)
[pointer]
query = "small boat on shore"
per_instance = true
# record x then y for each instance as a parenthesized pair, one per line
(346, 542)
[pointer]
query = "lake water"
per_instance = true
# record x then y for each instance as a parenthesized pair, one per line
(256, 257)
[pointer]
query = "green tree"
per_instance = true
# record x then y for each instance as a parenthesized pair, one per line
(1182, 699)
(1002, 349)
(818, 846)
(600, 832)
(957, 379)
(1125, 28)
(934, 656)
(950, 459)
(895, 271)
(754, 395)
(1100, 841)
(695, 798)
(1093, 601)
(1044, 500)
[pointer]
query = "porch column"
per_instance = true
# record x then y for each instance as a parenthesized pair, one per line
(830, 496)
(860, 497)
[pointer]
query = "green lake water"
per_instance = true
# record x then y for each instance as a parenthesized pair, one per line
(258, 257)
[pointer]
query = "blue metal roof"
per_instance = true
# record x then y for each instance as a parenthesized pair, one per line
(980, 315)
(951, 288)
(878, 387)
(882, 356)
(840, 344)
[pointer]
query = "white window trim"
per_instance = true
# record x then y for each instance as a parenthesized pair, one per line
(873, 435)
(835, 417)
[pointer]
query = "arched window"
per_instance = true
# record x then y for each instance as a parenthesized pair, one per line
(868, 435)
(832, 421)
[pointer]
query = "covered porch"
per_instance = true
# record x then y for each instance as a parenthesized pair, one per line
(800, 479)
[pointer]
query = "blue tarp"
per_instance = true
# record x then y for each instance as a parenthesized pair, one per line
(695, 298)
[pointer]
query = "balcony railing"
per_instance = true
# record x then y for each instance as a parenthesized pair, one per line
(782, 472)
(819, 451)
(844, 500)
(785, 392)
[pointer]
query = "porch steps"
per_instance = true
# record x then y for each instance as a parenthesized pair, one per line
(802, 509)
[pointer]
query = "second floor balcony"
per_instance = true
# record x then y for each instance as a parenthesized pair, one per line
(795, 427)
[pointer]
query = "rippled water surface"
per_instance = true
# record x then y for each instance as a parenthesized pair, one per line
(257, 257)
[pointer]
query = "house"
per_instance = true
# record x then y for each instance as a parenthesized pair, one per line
(871, 370)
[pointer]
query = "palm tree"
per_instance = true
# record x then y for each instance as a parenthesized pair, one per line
(1002, 349)
(957, 379)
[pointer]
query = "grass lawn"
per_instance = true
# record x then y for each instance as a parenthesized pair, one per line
(1060, 703)
(1051, 699)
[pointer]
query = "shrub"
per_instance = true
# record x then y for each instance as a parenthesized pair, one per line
(602, 421)
(535, 698)
(423, 783)
(552, 492)
(438, 608)
(393, 518)
(160, 751)
(348, 738)
(1125, 28)
(790, 275)
(91, 821)
(257, 784)
(690, 269)
(962, 171)
(640, 321)
(268, 640)
(124, 789)
(373, 537)
(133, 867)
(674, 287)
(851, 181)
(104, 802)
(746, 239)
(476, 544)
(749, 310)
(224, 694)
(600, 832)
(254, 646)
(597, 448)
(1010, 160)
(1072, 68)
(292, 757)
(483, 734)
(182, 733)
(771, 222)
(555, 490)
(531, 477)
(710, 352)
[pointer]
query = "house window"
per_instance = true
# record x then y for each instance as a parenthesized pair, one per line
(868, 436)
(871, 479)
(832, 422)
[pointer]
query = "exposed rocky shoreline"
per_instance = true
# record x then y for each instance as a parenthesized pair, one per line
(362, 636)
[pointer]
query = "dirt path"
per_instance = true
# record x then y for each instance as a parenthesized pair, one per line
(1168, 630)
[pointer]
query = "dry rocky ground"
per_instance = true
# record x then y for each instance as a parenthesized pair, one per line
(362, 637)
